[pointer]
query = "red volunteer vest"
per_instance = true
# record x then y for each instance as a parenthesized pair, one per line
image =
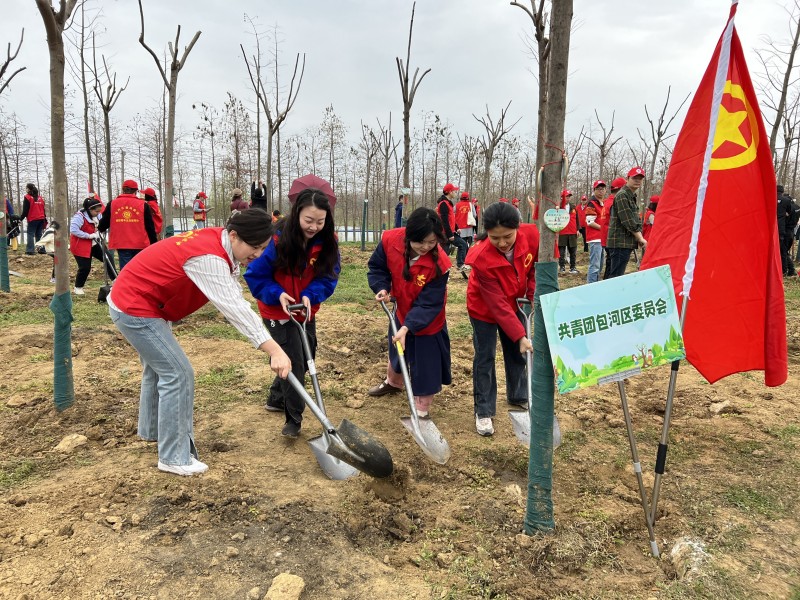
(451, 216)
(158, 218)
(155, 284)
(80, 246)
(572, 226)
(36, 208)
(423, 271)
(512, 279)
(606, 218)
(646, 227)
(292, 285)
(463, 208)
(126, 228)
(580, 209)
(201, 216)
(593, 209)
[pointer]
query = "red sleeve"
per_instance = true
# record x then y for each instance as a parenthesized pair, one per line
(504, 315)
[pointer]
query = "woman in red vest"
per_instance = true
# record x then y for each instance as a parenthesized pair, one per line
(33, 210)
(152, 201)
(409, 265)
(650, 216)
(299, 266)
(502, 270)
(568, 237)
(169, 281)
(82, 242)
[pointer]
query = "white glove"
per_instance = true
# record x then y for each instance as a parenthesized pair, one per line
(94, 236)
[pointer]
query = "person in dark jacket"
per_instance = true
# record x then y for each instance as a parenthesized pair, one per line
(33, 209)
(785, 231)
(258, 195)
(398, 210)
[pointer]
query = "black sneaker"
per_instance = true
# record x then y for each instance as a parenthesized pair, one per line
(291, 430)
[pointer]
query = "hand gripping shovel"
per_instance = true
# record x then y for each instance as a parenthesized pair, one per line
(520, 419)
(332, 466)
(424, 431)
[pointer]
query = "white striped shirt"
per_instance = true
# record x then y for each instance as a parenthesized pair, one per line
(212, 275)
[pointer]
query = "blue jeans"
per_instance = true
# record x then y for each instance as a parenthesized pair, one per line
(461, 249)
(199, 225)
(484, 376)
(35, 230)
(595, 258)
(125, 256)
(618, 259)
(166, 401)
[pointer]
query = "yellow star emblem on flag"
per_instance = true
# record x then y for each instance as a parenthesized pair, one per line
(729, 132)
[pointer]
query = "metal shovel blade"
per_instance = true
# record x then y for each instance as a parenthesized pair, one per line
(429, 438)
(521, 424)
(360, 450)
(349, 443)
(332, 467)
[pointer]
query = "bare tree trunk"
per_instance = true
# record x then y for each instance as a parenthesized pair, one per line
(409, 90)
(171, 84)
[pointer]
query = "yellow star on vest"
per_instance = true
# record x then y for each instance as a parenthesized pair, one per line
(728, 124)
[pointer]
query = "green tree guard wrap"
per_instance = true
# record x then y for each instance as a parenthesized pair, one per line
(5, 285)
(539, 513)
(63, 383)
(169, 231)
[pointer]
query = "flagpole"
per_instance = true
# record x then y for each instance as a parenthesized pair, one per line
(723, 62)
(661, 456)
(637, 468)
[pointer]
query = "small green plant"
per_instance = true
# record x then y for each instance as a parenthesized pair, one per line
(14, 474)
(40, 357)
(754, 501)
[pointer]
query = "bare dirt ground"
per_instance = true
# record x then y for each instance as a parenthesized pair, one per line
(103, 522)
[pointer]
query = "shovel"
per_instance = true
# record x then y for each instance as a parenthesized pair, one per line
(424, 431)
(348, 442)
(331, 466)
(105, 290)
(520, 419)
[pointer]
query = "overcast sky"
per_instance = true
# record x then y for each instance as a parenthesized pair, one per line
(624, 54)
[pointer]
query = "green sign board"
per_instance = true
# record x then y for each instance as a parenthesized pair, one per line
(612, 329)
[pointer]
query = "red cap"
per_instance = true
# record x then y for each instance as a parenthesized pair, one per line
(636, 171)
(503, 200)
(515, 201)
(130, 183)
(618, 183)
(202, 195)
(655, 199)
(583, 197)
(598, 183)
(465, 195)
(566, 193)
(149, 192)
(449, 187)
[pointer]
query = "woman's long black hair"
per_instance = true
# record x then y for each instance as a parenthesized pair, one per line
(291, 247)
(421, 223)
(499, 213)
(32, 190)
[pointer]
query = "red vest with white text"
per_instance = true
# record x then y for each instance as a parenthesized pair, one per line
(35, 208)
(451, 215)
(155, 285)
(423, 271)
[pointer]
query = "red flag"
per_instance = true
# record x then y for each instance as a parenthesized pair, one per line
(716, 226)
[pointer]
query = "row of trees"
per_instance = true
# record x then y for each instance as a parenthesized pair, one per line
(229, 147)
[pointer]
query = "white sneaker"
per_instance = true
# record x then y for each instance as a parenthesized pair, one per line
(484, 425)
(422, 414)
(78, 291)
(195, 468)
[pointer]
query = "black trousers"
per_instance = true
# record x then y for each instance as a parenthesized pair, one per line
(786, 260)
(281, 391)
(85, 266)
